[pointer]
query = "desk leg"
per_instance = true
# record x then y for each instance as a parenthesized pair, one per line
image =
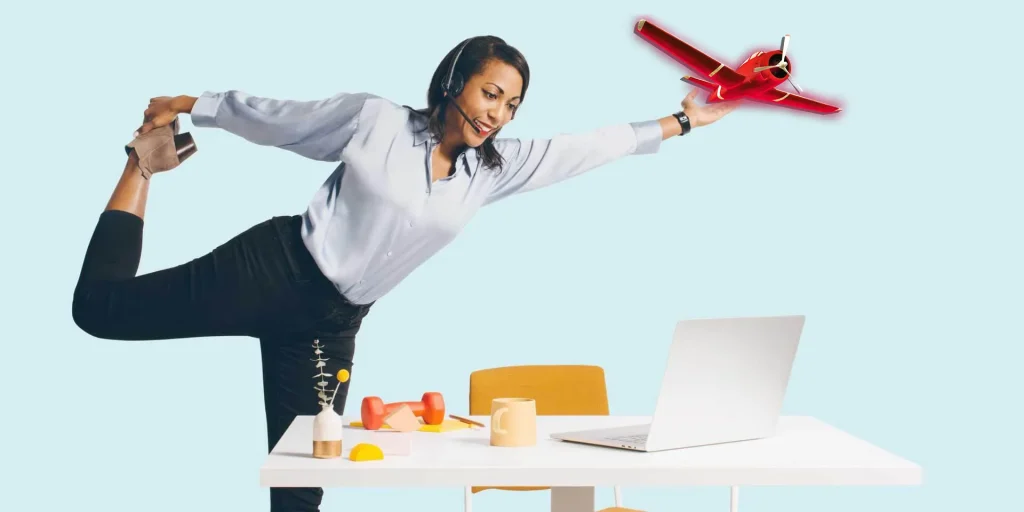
(734, 499)
(572, 499)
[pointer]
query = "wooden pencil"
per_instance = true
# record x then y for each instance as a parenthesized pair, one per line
(466, 420)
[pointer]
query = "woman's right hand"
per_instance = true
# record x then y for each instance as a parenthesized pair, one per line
(162, 110)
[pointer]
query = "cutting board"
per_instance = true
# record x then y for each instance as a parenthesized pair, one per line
(447, 426)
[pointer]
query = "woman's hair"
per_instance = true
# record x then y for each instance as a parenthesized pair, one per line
(476, 54)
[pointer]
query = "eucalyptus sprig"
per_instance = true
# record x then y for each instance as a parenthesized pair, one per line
(321, 387)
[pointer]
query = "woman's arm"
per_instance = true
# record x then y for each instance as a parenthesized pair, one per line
(534, 163)
(183, 103)
(316, 129)
(670, 127)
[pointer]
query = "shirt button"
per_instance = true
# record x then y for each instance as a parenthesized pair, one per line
(389, 253)
(410, 224)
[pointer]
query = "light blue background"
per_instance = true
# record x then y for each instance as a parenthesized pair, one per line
(895, 228)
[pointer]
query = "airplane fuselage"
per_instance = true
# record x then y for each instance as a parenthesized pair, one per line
(755, 82)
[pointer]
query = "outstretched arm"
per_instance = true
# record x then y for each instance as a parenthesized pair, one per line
(535, 163)
(531, 164)
(316, 129)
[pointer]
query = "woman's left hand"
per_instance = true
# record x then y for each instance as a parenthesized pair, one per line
(703, 115)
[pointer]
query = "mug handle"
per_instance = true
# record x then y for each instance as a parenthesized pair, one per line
(495, 424)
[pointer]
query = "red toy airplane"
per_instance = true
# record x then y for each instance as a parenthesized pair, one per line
(756, 78)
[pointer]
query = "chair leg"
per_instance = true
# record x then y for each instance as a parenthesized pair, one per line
(618, 496)
(734, 499)
(469, 499)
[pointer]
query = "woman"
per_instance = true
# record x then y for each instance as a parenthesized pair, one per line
(406, 184)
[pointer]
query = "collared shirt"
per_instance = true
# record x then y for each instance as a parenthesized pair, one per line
(378, 216)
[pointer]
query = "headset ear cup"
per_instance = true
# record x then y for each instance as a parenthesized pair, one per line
(456, 86)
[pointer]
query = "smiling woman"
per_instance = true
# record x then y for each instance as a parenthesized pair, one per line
(412, 179)
(498, 79)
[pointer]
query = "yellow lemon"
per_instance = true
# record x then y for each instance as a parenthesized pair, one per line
(343, 375)
(365, 451)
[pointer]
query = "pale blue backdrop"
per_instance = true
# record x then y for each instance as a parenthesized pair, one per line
(895, 228)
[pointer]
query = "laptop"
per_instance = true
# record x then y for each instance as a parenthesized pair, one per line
(725, 382)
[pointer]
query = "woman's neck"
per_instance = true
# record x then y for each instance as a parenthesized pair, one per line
(450, 146)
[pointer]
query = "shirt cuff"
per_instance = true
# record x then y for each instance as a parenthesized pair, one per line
(204, 110)
(648, 136)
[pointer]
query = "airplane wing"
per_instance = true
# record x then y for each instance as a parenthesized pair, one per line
(687, 55)
(795, 101)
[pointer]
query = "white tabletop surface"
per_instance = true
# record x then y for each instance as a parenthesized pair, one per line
(805, 451)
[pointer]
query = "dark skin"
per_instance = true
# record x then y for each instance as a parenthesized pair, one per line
(131, 191)
(489, 98)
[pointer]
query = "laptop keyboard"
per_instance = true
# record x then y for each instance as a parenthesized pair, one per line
(638, 439)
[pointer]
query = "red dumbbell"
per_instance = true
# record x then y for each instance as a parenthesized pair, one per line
(430, 408)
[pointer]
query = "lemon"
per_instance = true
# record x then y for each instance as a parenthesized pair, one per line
(366, 451)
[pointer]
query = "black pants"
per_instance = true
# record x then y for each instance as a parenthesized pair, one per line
(262, 283)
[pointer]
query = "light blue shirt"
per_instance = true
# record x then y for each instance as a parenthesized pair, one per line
(378, 216)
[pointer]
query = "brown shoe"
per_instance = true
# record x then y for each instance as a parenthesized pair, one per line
(161, 149)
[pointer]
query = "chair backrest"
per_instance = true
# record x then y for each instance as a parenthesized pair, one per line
(560, 390)
(563, 390)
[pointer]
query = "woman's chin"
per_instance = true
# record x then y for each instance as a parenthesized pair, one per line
(474, 139)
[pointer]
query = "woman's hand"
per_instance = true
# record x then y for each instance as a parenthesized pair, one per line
(159, 113)
(162, 110)
(703, 115)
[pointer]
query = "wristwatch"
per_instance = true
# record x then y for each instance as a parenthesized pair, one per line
(683, 122)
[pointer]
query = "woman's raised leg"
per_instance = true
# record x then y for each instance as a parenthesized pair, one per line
(242, 287)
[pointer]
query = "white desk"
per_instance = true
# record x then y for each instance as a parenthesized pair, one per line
(805, 452)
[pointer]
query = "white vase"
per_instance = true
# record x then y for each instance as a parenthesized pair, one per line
(327, 434)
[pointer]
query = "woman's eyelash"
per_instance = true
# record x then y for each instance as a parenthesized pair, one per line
(491, 95)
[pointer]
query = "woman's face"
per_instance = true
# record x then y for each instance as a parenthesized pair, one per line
(489, 98)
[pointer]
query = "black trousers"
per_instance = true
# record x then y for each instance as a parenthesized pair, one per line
(262, 283)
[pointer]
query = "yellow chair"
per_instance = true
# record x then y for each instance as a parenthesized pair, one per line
(563, 390)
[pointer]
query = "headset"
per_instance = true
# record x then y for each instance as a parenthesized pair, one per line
(454, 82)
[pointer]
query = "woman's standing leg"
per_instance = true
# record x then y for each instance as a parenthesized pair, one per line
(289, 386)
(239, 288)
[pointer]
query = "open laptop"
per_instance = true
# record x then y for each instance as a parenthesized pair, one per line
(725, 381)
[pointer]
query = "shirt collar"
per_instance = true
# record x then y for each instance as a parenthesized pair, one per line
(468, 160)
(418, 125)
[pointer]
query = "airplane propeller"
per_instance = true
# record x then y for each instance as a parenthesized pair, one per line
(783, 64)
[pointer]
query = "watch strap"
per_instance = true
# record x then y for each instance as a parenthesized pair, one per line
(684, 122)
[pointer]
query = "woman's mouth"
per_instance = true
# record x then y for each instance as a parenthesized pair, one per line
(484, 128)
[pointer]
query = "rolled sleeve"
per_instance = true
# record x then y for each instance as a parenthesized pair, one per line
(204, 111)
(648, 137)
(534, 163)
(316, 129)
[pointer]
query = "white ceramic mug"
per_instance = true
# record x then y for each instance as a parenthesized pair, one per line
(513, 422)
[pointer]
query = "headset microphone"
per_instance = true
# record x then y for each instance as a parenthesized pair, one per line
(468, 120)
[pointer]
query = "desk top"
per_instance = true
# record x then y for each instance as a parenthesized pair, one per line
(805, 451)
